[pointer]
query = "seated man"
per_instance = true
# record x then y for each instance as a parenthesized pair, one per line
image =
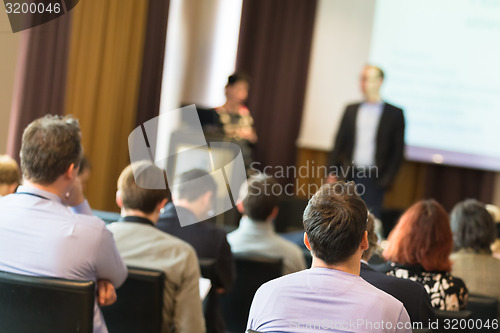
(331, 295)
(256, 231)
(9, 175)
(39, 235)
(193, 200)
(413, 295)
(142, 245)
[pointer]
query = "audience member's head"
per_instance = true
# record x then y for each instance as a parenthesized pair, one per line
(237, 88)
(84, 171)
(50, 149)
(472, 225)
(261, 201)
(422, 237)
(10, 176)
(132, 197)
(495, 214)
(372, 238)
(195, 190)
(335, 223)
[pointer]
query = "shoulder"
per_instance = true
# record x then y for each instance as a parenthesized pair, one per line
(392, 108)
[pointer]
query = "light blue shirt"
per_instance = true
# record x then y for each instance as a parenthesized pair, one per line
(325, 300)
(42, 237)
(365, 142)
(260, 238)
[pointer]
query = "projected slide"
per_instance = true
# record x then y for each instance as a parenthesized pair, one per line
(442, 60)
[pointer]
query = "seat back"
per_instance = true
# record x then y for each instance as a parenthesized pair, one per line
(484, 310)
(107, 217)
(251, 272)
(45, 305)
(139, 304)
(452, 321)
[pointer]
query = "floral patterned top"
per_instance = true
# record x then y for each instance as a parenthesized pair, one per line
(446, 292)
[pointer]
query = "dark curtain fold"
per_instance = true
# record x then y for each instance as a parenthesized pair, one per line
(40, 77)
(148, 104)
(274, 47)
(449, 185)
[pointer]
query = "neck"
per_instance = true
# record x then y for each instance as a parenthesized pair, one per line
(231, 106)
(153, 217)
(193, 207)
(351, 265)
(374, 98)
(57, 187)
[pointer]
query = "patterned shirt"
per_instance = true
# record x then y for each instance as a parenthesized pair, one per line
(446, 291)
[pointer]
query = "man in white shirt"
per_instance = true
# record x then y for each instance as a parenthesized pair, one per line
(256, 234)
(143, 245)
(40, 234)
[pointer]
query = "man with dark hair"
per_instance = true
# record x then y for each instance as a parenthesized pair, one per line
(39, 234)
(9, 175)
(331, 295)
(255, 234)
(412, 294)
(142, 245)
(188, 218)
(370, 141)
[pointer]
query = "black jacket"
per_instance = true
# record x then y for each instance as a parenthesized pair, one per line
(389, 146)
(412, 294)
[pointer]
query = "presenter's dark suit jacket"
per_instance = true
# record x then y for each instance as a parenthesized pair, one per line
(389, 147)
(412, 294)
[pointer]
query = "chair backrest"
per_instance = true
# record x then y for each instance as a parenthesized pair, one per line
(107, 217)
(451, 321)
(139, 303)
(251, 272)
(45, 305)
(484, 310)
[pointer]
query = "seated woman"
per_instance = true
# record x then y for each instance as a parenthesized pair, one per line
(419, 247)
(473, 232)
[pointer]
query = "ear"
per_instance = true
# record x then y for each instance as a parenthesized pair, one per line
(306, 242)
(71, 172)
(119, 200)
(161, 204)
(274, 213)
(364, 242)
(240, 208)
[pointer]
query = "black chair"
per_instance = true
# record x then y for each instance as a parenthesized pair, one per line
(139, 304)
(484, 312)
(251, 272)
(290, 214)
(451, 321)
(45, 305)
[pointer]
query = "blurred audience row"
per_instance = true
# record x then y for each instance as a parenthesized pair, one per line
(432, 260)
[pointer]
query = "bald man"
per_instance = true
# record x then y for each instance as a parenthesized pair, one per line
(369, 145)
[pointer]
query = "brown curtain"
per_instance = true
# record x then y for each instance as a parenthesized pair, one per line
(40, 77)
(106, 54)
(148, 105)
(449, 185)
(274, 47)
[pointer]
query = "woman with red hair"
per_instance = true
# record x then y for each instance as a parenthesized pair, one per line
(419, 248)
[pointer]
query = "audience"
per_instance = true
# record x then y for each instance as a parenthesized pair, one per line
(255, 233)
(39, 234)
(474, 231)
(186, 218)
(419, 247)
(10, 176)
(412, 294)
(330, 295)
(142, 245)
